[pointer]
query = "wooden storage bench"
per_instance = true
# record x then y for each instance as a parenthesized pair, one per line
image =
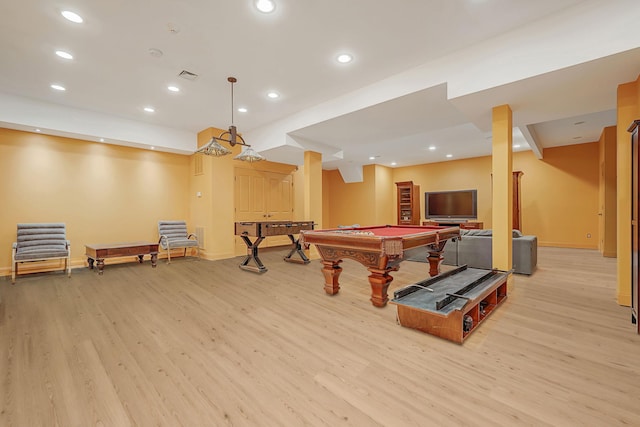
(451, 305)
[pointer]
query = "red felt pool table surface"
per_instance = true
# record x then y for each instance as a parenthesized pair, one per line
(392, 230)
(379, 248)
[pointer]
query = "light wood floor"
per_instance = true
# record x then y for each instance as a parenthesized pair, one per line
(200, 343)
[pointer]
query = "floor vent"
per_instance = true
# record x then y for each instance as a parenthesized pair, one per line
(200, 236)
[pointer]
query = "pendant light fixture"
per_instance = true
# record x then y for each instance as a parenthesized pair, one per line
(231, 137)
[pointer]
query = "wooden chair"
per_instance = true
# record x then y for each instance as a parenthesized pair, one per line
(173, 235)
(40, 242)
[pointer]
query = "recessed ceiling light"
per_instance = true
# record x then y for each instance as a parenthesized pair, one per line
(72, 16)
(516, 145)
(449, 156)
(156, 53)
(273, 95)
(372, 158)
(344, 58)
(393, 163)
(149, 109)
(432, 147)
(38, 130)
(153, 148)
(63, 54)
(101, 139)
(242, 110)
(265, 6)
(58, 87)
(173, 88)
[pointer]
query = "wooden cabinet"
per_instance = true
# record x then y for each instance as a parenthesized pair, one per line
(434, 305)
(408, 203)
(464, 224)
(635, 187)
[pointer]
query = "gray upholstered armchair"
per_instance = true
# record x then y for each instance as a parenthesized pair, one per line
(40, 242)
(174, 235)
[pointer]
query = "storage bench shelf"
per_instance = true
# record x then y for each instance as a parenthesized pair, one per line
(457, 320)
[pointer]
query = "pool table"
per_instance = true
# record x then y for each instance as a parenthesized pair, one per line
(380, 249)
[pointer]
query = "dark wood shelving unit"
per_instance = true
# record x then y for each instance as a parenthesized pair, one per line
(517, 196)
(408, 203)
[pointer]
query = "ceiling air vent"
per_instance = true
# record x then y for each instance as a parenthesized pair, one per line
(188, 75)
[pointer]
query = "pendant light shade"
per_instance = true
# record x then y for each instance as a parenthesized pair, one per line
(249, 155)
(231, 137)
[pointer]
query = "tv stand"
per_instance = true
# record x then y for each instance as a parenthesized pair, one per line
(462, 223)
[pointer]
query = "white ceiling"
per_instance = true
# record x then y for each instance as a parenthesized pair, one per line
(426, 72)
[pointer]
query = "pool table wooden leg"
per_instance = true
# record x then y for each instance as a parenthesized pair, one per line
(331, 271)
(434, 258)
(379, 281)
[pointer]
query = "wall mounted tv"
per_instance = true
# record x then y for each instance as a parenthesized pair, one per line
(451, 204)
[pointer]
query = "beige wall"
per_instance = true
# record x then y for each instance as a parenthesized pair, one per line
(453, 175)
(104, 193)
(351, 203)
(108, 193)
(559, 193)
(385, 196)
(371, 202)
(327, 177)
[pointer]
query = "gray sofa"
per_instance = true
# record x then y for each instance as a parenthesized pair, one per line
(474, 249)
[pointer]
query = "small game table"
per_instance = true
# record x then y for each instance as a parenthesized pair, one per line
(263, 229)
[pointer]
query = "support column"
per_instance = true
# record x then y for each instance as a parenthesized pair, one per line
(212, 200)
(313, 192)
(502, 187)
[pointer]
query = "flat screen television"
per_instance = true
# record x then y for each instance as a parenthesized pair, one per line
(451, 204)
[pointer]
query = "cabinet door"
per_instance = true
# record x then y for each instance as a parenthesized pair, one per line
(279, 201)
(263, 196)
(250, 197)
